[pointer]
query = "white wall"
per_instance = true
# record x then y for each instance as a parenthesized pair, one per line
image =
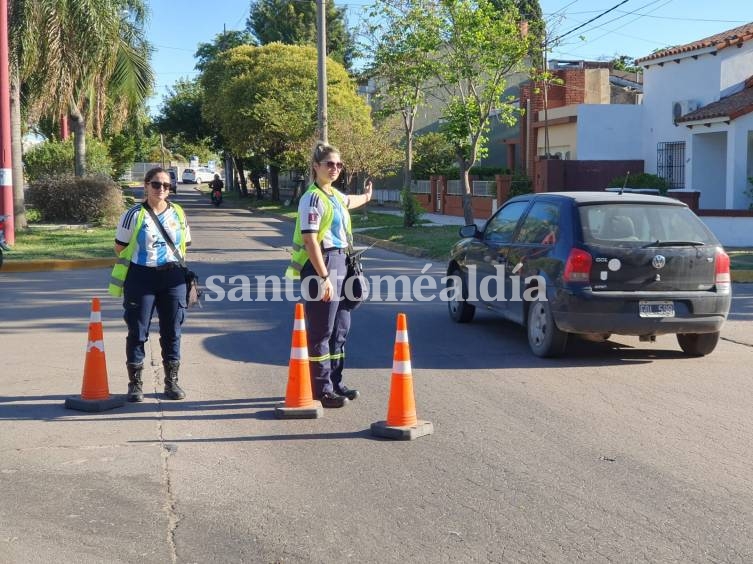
(709, 152)
(738, 180)
(609, 132)
(735, 68)
(731, 231)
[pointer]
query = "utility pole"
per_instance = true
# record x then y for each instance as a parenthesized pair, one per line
(321, 48)
(6, 170)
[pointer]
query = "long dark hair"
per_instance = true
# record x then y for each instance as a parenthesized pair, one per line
(152, 172)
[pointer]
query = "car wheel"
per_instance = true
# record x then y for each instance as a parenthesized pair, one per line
(544, 338)
(698, 344)
(460, 310)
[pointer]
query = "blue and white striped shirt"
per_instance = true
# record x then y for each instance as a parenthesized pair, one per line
(150, 247)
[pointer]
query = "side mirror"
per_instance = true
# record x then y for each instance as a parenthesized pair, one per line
(469, 231)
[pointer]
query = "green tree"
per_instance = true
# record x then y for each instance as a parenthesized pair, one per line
(434, 154)
(264, 102)
(625, 63)
(481, 45)
(207, 52)
(403, 41)
(530, 12)
(92, 64)
(293, 22)
(180, 114)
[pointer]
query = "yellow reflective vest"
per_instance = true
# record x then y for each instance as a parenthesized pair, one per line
(299, 253)
(120, 270)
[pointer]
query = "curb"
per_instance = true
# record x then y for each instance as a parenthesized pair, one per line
(47, 265)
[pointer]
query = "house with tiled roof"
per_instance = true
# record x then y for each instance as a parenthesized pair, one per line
(698, 125)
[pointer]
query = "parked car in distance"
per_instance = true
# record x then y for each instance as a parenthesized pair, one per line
(197, 175)
(173, 180)
(606, 263)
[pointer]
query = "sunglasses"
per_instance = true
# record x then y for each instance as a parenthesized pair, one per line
(332, 164)
(157, 185)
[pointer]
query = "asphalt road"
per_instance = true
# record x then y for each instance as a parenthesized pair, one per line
(621, 452)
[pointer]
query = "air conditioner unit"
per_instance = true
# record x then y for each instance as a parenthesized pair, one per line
(683, 107)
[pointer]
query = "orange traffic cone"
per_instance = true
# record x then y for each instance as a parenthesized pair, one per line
(299, 402)
(401, 422)
(95, 394)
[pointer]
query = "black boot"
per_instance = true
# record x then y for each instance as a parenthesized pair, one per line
(172, 390)
(135, 392)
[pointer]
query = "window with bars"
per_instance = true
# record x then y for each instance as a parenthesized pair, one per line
(670, 163)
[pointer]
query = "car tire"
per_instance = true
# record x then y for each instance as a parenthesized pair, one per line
(460, 310)
(544, 338)
(698, 344)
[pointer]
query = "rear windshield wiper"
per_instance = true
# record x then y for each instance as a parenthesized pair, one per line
(658, 243)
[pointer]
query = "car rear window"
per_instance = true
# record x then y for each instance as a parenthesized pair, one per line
(640, 223)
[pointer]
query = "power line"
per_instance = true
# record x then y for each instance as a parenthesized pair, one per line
(589, 21)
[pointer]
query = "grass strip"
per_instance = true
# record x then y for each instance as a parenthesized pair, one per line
(38, 243)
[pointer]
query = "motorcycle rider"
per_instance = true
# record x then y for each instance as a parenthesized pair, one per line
(216, 187)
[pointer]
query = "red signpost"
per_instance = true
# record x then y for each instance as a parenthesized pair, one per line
(6, 175)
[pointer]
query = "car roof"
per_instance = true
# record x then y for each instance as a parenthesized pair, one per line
(595, 197)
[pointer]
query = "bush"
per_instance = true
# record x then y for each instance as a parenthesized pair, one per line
(412, 210)
(55, 158)
(642, 180)
(90, 199)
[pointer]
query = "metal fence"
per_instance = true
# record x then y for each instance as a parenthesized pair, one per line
(421, 187)
(487, 188)
(387, 196)
(454, 187)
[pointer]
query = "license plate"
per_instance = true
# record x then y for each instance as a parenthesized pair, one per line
(656, 309)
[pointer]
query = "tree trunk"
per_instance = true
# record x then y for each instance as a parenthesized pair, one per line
(16, 149)
(255, 180)
(242, 174)
(274, 182)
(467, 201)
(78, 125)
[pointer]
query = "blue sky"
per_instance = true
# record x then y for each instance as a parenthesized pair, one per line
(635, 28)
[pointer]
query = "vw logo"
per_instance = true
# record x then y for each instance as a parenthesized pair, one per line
(658, 262)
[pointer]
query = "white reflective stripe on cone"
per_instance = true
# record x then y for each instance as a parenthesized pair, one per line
(99, 345)
(299, 325)
(401, 337)
(96, 317)
(299, 353)
(401, 367)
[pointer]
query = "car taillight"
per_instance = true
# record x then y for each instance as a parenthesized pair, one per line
(721, 276)
(578, 266)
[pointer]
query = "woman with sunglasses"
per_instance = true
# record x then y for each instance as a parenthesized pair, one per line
(320, 245)
(150, 277)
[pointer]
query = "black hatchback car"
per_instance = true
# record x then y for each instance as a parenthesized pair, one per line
(594, 264)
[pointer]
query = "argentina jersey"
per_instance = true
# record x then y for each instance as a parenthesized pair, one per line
(311, 211)
(150, 246)
(339, 229)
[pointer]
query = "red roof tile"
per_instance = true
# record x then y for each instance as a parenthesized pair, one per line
(732, 107)
(736, 36)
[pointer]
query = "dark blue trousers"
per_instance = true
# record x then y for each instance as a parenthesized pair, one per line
(144, 291)
(327, 324)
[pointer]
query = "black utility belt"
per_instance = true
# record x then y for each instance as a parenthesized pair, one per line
(339, 250)
(168, 266)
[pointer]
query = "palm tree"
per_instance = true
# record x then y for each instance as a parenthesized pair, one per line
(86, 59)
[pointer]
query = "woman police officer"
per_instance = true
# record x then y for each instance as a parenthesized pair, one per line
(320, 244)
(149, 276)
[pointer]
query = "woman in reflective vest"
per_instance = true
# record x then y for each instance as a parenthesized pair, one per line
(149, 276)
(320, 245)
